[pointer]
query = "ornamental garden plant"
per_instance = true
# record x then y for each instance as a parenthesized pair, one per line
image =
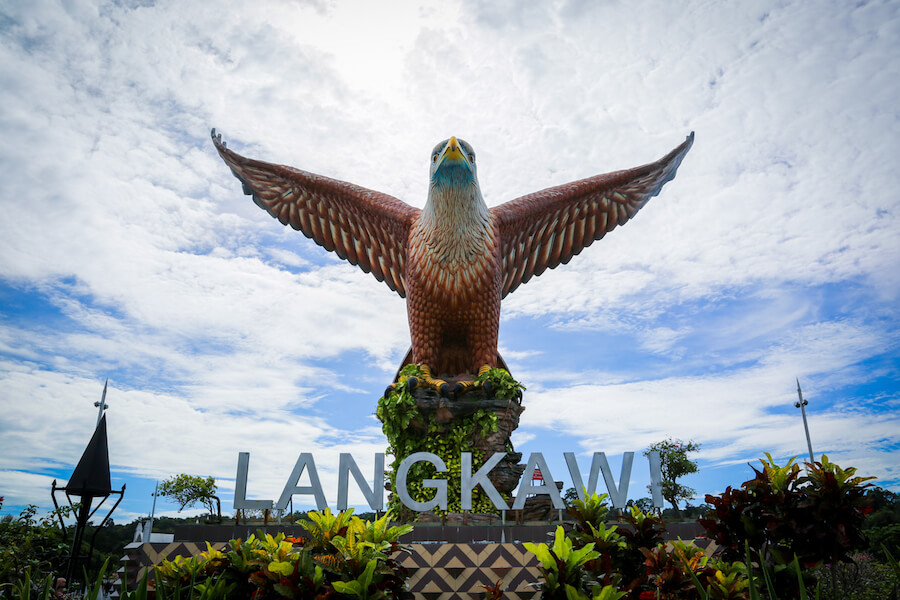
(342, 557)
(785, 534)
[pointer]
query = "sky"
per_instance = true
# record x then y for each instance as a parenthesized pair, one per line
(128, 251)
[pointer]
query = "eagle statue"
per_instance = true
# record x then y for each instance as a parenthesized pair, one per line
(455, 259)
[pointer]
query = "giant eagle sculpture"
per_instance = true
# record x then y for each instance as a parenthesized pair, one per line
(456, 259)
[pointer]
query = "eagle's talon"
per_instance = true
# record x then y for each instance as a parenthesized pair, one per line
(487, 386)
(444, 390)
(458, 388)
(412, 383)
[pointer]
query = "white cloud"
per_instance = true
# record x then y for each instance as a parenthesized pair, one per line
(127, 248)
(736, 412)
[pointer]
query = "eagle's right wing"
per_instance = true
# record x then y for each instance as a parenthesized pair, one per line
(545, 229)
(366, 228)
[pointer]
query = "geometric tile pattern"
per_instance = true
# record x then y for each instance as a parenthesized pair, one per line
(460, 571)
(437, 571)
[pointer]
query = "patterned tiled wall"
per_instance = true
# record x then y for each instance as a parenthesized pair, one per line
(457, 571)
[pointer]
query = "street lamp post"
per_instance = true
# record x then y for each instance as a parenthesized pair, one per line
(801, 404)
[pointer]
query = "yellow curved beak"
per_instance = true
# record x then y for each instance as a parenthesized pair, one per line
(453, 151)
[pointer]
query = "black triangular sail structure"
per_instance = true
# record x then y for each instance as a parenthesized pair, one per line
(89, 480)
(91, 475)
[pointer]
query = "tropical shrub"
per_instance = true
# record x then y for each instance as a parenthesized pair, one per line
(782, 514)
(621, 550)
(589, 528)
(563, 566)
(778, 535)
(646, 531)
(32, 545)
(670, 571)
(343, 556)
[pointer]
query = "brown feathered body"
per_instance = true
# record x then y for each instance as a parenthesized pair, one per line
(453, 281)
(455, 259)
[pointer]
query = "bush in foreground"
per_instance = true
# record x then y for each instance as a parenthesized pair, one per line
(779, 536)
(343, 556)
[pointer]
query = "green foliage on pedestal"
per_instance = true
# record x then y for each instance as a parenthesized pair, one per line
(504, 387)
(409, 431)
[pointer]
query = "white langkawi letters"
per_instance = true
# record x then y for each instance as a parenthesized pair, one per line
(618, 493)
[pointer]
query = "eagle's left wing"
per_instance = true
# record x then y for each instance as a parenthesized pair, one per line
(366, 228)
(547, 228)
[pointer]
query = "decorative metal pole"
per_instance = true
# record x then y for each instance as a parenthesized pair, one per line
(101, 405)
(89, 481)
(801, 404)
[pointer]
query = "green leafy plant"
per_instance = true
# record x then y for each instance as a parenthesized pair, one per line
(502, 384)
(23, 588)
(342, 555)
(673, 573)
(593, 510)
(361, 586)
(380, 531)
(493, 592)
(32, 544)
(323, 527)
(646, 531)
(606, 592)
(783, 517)
(621, 560)
(562, 565)
(408, 431)
(720, 580)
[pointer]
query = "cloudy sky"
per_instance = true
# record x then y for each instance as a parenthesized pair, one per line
(128, 252)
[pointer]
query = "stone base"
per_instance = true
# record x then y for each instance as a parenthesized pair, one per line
(434, 408)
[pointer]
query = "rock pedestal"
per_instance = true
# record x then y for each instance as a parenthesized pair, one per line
(447, 411)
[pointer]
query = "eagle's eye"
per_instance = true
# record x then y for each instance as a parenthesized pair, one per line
(471, 158)
(434, 158)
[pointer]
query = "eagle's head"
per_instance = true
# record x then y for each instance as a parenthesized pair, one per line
(454, 198)
(453, 164)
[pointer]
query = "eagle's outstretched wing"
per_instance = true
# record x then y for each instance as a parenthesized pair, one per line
(366, 228)
(541, 230)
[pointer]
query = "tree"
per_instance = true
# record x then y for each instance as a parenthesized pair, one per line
(188, 490)
(645, 505)
(675, 464)
(30, 543)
